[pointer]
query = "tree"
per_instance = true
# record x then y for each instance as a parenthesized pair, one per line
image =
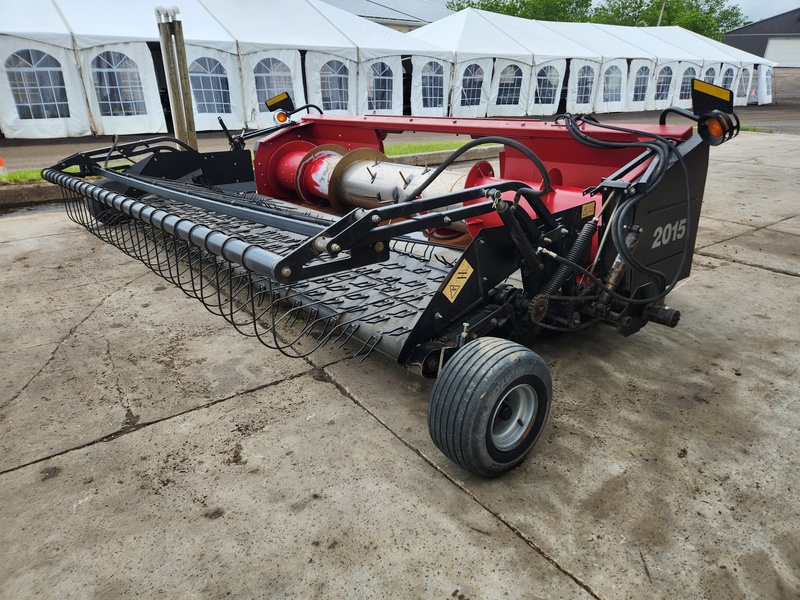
(711, 18)
(544, 10)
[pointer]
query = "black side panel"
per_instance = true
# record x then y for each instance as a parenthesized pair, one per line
(669, 225)
(227, 167)
(487, 262)
(168, 165)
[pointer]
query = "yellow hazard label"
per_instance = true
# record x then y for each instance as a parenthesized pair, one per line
(457, 282)
(712, 90)
(587, 210)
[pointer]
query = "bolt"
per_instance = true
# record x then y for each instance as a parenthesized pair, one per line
(447, 220)
(376, 218)
(379, 246)
(336, 248)
(286, 272)
(632, 191)
(493, 322)
(437, 316)
(564, 231)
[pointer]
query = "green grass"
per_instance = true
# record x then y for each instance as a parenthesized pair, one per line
(756, 129)
(29, 176)
(420, 147)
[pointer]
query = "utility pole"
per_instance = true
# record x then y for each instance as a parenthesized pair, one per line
(661, 14)
(173, 51)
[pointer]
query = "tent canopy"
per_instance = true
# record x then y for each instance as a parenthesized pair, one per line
(81, 67)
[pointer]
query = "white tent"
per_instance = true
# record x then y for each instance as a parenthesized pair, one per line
(79, 67)
(380, 74)
(550, 51)
(719, 67)
(94, 67)
(488, 64)
(748, 77)
(349, 65)
(41, 94)
(105, 69)
(272, 38)
(115, 61)
(214, 69)
(674, 69)
(604, 89)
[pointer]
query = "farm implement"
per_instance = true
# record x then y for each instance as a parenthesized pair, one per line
(319, 238)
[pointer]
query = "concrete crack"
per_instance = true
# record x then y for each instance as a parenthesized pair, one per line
(72, 330)
(747, 264)
(132, 422)
(321, 375)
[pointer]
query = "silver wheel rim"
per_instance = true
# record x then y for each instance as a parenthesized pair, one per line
(513, 416)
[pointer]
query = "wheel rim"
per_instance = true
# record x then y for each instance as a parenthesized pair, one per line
(513, 416)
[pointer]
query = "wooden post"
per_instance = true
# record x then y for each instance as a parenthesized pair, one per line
(186, 88)
(173, 52)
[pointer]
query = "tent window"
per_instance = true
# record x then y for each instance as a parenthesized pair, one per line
(273, 77)
(612, 85)
(547, 85)
(333, 83)
(640, 84)
(585, 82)
(509, 86)
(686, 83)
(210, 86)
(744, 84)
(379, 87)
(117, 85)
(663, 83)
(471, 85)
(710, 75)
(37, 85)
(727, 79)
(432, 85)
(769, 82)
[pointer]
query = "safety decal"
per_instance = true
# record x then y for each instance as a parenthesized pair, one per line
(587, 210)
(457, 282)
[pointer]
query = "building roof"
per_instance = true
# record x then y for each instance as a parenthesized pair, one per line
(753, 38)
(787, 23)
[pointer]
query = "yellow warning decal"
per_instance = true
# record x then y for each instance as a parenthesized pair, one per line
(457, 282)
(713, 90)
(587, 210)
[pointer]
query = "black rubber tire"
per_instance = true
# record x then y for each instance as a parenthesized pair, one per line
(101, 212)
(468, 403)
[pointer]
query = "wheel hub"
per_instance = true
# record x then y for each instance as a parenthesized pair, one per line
(513, 416)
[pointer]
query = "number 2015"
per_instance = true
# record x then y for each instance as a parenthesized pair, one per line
(671, 232)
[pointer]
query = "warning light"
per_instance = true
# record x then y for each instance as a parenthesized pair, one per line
(717, 127)
(281, 117)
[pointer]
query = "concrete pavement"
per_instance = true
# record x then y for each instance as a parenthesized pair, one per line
(148, 449)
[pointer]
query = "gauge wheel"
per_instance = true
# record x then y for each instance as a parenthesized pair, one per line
(489, 405)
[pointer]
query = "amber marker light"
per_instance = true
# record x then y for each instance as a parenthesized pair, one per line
(281, 117)
(717, 127)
